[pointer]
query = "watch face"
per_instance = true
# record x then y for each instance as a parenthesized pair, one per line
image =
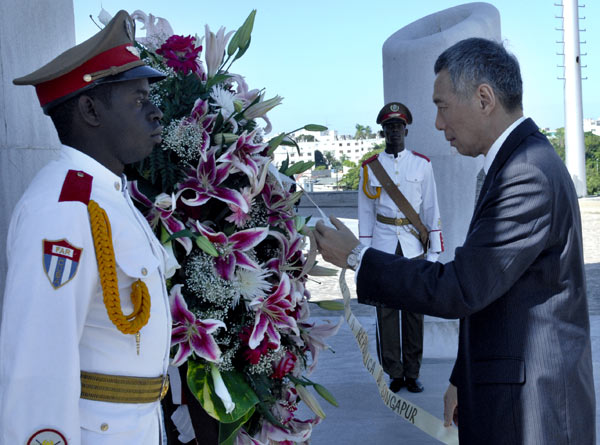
(352, 260)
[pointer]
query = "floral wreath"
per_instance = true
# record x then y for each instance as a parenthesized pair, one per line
(237, 264)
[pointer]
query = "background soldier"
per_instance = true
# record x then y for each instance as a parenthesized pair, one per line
(84, 346)
(385, 226)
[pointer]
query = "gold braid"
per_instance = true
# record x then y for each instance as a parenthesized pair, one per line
(127, 324)
(366, 186)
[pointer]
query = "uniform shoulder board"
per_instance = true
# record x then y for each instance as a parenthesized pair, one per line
(368, 161)
(77, 187)
(421, 156)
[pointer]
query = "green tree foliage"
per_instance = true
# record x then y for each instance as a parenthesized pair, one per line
(305, 138)
(331, 161)
(363, 132)
(592, 157)
(350, 180)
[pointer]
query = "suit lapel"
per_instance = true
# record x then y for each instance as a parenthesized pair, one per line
(514, 139)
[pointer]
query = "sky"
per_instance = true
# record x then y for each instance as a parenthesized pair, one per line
(324, 56)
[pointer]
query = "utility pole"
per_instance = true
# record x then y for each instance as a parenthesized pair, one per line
(574, 139)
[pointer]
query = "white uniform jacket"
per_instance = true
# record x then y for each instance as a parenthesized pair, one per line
(413, 175)
(54, 321)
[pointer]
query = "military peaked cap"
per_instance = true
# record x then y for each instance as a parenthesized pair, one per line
(108, 56)
(394, 110)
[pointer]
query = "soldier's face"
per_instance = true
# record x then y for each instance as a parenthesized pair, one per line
(131, 124)
(394, 132)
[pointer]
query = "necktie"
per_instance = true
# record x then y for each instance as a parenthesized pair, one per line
(479, 184)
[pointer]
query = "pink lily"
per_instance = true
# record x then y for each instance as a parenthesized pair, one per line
(313, 335)
(231, 248)
(199, 116)
(244, 155)
(161, 210)
(290, 256)
(279, 205)
(298, 432)
(272, 314)
(205, 183)
(192, 335)
(243, 438)
(238, 216)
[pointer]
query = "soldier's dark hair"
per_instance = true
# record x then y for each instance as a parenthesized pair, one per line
(62, 114)
(474, 61)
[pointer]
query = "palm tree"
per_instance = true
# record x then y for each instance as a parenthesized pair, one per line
(360, 132)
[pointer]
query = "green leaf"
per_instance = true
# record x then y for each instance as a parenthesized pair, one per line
(315, 127)
(324, 392)
(186, 233)
(274, 143)
(330, 305)
(216, 80)
(228, 431)
(204, 243)
(299, 167)
(201, 385)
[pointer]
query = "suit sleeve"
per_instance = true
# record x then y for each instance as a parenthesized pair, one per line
(431, 215)
(366, 213)
(507, 234)
(42, 325)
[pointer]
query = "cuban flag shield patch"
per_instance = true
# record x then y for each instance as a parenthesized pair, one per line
(61, 260)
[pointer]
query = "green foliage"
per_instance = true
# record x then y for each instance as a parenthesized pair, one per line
(331, 160)
(351, 179)
(592, 157)
(363, 132)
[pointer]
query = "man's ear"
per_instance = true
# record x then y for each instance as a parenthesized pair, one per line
(486, 98)
(87, 109)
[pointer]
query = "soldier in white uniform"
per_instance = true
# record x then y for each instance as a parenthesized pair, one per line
(85, 334)
(385, 227)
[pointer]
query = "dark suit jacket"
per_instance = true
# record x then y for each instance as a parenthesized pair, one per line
(524, 369)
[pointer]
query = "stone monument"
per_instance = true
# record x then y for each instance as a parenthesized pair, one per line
(408, 59)
(31, 34)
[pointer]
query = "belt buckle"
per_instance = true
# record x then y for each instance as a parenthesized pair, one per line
(165, 386)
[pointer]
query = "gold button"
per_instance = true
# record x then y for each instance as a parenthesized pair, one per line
(104, 427)
(117, 186)
(144, 271)
(87, 78)
(80, 174)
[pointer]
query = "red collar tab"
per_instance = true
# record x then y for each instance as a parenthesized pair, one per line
(421, 156)
(368, 161)
(81, 76)
(77, 187)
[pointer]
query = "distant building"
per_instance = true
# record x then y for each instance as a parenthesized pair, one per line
(342, 146)
(592, 125)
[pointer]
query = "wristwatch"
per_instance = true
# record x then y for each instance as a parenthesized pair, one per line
(352, 260)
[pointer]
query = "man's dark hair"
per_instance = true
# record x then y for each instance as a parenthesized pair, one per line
(474, 61)
(62, 114)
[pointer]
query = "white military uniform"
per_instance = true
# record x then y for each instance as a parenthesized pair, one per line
(400, 354)
(413, 175)
(55, 324)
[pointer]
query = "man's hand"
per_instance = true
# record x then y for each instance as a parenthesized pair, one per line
(451, 406)
(335, 244)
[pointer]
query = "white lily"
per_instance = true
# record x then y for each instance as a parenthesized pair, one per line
(215, 48)
(221, 389)
(261, 108)
(158, 29)
(310, 401)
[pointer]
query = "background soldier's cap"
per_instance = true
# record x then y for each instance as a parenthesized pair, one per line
(108, 56)
(394, 110)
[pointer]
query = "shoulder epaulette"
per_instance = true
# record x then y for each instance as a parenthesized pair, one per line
(77, 187)
(368, 161)
(421, 156)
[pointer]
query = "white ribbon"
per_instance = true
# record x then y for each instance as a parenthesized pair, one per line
(408, 411)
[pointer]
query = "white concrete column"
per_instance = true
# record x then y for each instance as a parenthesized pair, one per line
(32, 32)
(574, 139)
(408, 59)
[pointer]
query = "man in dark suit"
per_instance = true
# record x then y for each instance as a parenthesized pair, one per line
(523, 374)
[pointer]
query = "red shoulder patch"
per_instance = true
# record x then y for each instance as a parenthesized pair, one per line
(368, 161)
(77, 187)
(421, 156)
